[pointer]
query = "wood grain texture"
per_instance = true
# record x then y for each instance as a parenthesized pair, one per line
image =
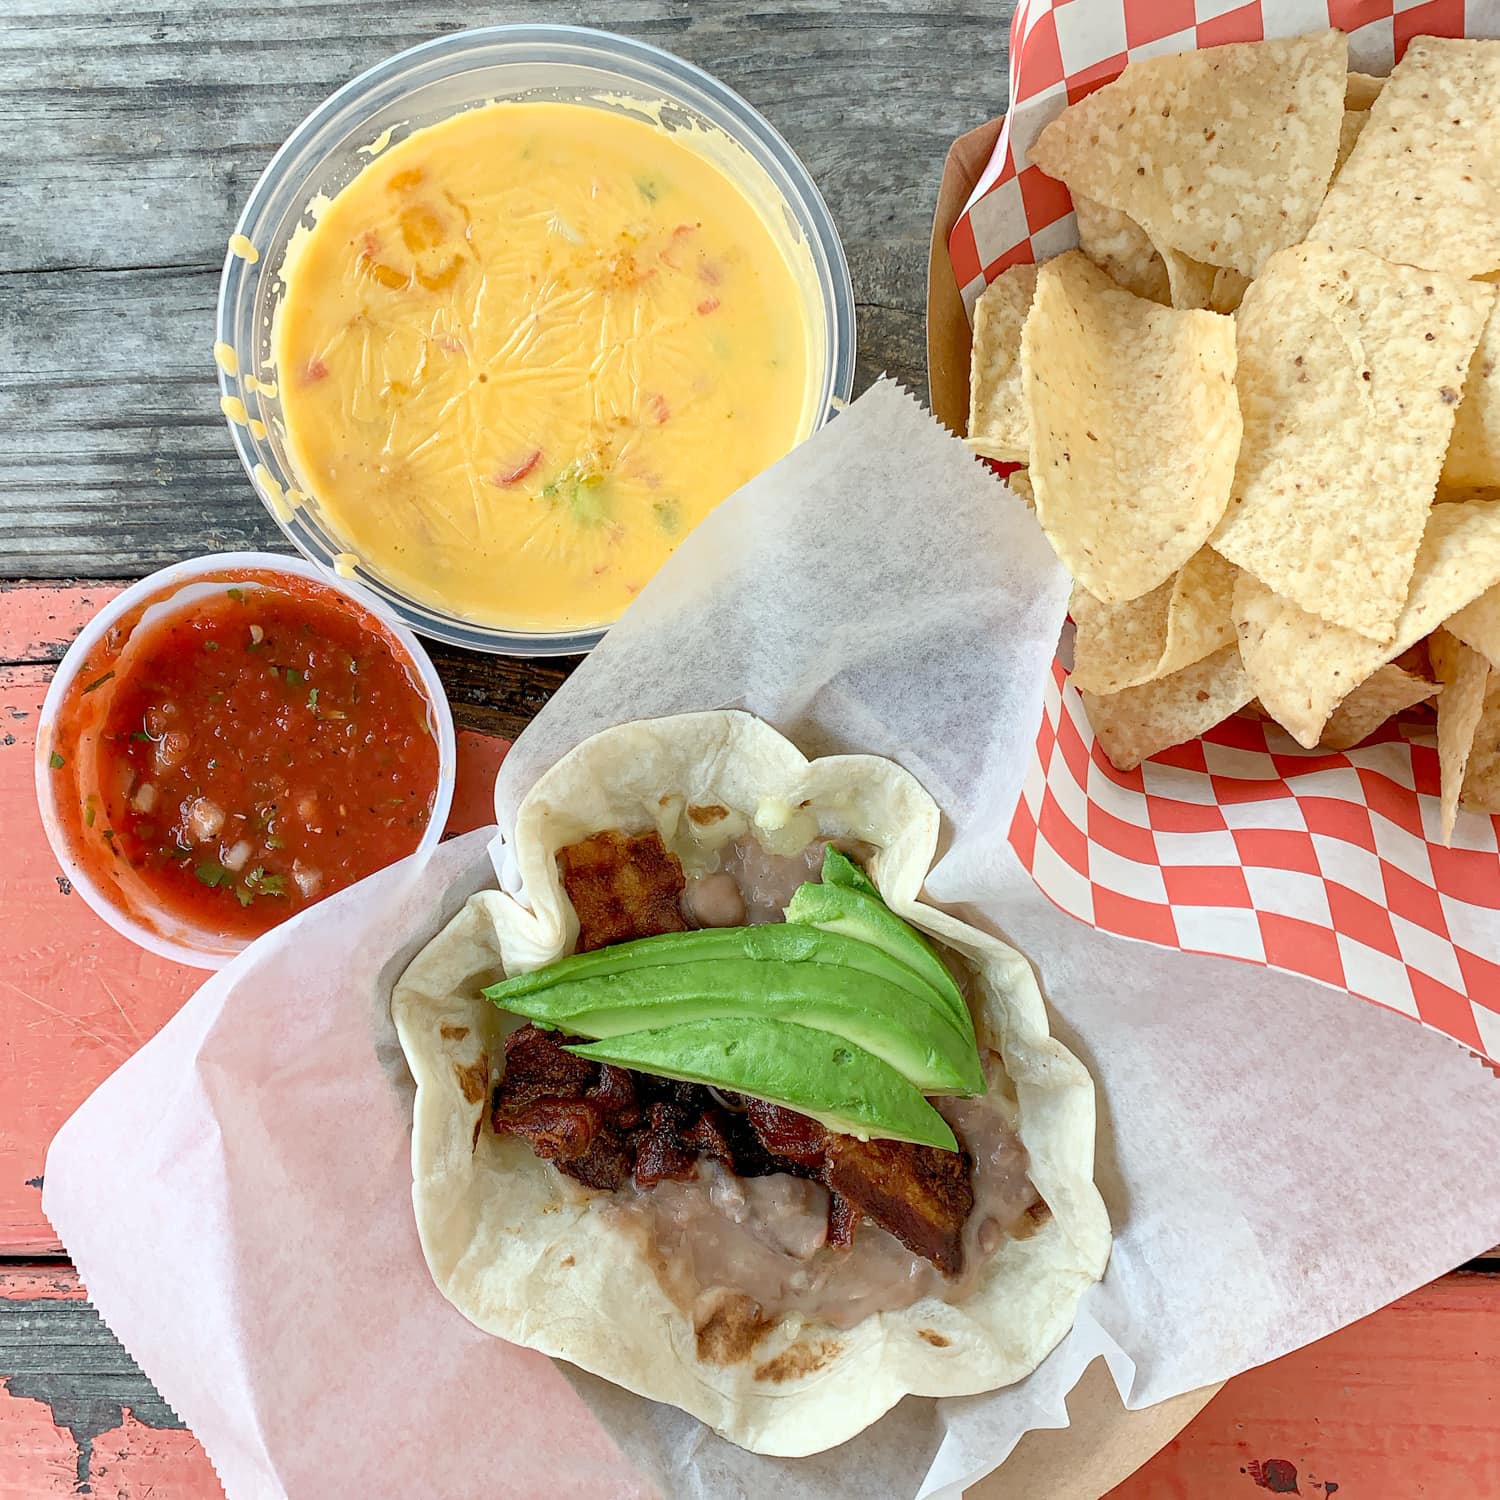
(146, 127)
(1401, 1405)
(489, 695)
(76, 1414)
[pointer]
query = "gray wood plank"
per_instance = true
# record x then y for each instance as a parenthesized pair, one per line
(58, 1352)
(145, 128)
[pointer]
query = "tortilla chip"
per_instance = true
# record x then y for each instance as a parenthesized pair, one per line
(1361, 90)
(1386, 692)
(1473, 459)
(1482, 775)
(1464, 674)
(998, 427)
(1228, 290)
(1422, 185)
(1020, 482)
(1188, 617)
(1121, 249)
(1349, 373)
(1354, 122)
(1224, 153)
(1477, 625)
(1302, 667)
(1190, 282)
(1135, 426)
(1136, 723)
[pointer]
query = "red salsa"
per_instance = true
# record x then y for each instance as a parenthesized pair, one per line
(247, 757)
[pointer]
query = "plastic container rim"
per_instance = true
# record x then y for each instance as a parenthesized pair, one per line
(214, 954)
(286, 179)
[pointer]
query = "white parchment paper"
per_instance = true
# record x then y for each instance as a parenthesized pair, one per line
(1278, 1158)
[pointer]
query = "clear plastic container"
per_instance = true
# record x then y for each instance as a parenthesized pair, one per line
(177, 589)
(430, 83)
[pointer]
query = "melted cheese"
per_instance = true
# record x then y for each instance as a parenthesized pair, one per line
(527, 349)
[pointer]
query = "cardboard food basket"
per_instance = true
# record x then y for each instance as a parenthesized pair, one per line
(1400, 919)
(1241, 844)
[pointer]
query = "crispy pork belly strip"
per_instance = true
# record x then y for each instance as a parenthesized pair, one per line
(604, 1125)
(622, 888)
(921, 1195)
(580, 1116)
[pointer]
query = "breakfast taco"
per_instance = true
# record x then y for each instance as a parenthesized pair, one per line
(718, 1109)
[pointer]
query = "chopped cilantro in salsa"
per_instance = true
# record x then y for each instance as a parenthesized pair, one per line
(257, 755)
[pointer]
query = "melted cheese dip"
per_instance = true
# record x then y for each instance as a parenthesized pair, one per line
(527, 349)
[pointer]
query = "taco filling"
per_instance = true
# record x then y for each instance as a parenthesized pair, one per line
(711, 1103)
(732, 1195)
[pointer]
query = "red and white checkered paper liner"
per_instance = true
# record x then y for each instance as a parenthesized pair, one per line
(1242, 844)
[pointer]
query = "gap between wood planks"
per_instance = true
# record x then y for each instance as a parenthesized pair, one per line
(494, 695)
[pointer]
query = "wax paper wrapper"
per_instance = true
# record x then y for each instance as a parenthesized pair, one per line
(1277, 1157)
(1242, 843)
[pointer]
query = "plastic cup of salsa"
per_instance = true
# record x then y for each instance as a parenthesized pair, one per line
(293, 737)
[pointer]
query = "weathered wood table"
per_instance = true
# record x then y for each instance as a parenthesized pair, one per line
(132, 139)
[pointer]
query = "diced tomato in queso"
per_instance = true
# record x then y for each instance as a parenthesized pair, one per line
(263, 752)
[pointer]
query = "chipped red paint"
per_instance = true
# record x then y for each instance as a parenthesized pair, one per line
(43, 1282)
(37, 1458)
(38, 619)
(1279, 1475)
(1402, 1404)
(40, 1460)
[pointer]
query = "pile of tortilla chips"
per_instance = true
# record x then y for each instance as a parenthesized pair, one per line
(1259, 409)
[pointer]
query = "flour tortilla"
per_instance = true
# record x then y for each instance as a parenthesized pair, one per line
(529, 1256)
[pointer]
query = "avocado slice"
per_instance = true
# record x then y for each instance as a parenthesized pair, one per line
(839, 869)
(817, 1074)
(772, 942)
(844, 911)
(920, 1040)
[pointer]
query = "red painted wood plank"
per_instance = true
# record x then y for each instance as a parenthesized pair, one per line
(75, 998)
(1401, 1405)
(37, 1458)
(40, 1460)
(38, 619)
(54, 1281)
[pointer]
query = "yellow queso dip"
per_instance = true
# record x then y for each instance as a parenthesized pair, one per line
(527, 349)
